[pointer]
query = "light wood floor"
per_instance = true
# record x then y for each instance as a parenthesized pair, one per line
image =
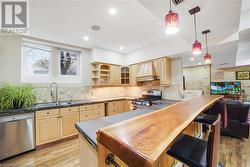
(234, 153)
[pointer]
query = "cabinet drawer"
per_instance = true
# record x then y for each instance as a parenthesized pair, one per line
(110, 104)
(99, 105)
(91, 114)
(113, 110)
(68, 109)
(85, 107)
(44, 113)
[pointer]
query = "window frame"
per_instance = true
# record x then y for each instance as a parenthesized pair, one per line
(54, 74)
(78, 68)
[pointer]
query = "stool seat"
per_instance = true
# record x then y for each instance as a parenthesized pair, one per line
(190, 150)
(206, 119)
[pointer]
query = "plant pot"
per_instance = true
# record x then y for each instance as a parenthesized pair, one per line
(16, 105)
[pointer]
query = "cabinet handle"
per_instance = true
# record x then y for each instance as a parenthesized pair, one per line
(98, 113)
(86, 116)
(47, 113)
(69, 109)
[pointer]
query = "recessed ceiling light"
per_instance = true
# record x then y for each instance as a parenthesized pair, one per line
(199, 63)
(121, 47)
(85, 38)
(112, 11)
(191, 59)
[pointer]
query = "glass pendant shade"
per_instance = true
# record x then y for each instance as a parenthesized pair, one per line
(196, 48)
(172, 23)
(207, 59)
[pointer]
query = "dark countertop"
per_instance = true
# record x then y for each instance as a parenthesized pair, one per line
(46, 106)
(89, 128)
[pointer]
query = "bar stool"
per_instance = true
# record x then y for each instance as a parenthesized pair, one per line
(210, 119)
(195, 152)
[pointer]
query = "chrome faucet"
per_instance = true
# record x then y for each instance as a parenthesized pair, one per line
(56, 93)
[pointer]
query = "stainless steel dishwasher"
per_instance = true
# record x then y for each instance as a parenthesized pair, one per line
(16, 134)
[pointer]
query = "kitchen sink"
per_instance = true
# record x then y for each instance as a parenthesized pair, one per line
(53, 104)
(63, 103)
(44, 105)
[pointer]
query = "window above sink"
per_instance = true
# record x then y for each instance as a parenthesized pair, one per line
(46, 63)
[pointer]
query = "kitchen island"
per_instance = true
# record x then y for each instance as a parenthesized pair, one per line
(144, 140)
(139, 140)
(88, 129)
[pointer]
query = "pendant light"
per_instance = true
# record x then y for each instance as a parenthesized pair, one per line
(207, 57)
(171, 21)
(196, 45)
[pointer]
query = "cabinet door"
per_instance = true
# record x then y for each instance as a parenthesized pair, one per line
(156, 68)
(92, 114)
(126, 106)
(112, 110)
(133, 74)
(115, 75)
(68, 124)
(47, 129)
(165, 71)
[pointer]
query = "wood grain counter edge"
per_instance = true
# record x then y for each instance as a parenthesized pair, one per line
(110, 138)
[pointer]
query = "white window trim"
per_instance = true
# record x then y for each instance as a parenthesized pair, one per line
(54, 73)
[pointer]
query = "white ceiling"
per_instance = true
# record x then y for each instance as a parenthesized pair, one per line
(138, 24)
(68, 21)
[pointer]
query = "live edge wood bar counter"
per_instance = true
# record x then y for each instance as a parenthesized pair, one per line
(142, 141)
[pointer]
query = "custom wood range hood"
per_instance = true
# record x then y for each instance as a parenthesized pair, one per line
(146, 72)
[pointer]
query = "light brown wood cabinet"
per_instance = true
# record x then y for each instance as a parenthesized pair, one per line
(165, 71)
(133, 74)
(116, 107)
(68, 124)
(55, 124)
(92, 111)
(156, 68)
(47, 126)
(48, 130)
(145, 69)
(115, 75)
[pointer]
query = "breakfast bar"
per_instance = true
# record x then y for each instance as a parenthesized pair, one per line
(143, 140)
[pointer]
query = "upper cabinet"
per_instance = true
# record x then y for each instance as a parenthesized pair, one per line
(165, 71)
(105, 74)
(133, 74)
(124, 75)
(156, 68)
(145, 69)
(115, 75)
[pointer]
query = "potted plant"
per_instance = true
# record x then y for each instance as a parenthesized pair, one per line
(16, 96)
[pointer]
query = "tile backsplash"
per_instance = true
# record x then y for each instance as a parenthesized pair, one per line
(89, 93)
(85, 93)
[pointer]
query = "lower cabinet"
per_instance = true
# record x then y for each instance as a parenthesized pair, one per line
(55, 124)
(68, 124)
(92, 111)
(116, 107)
(47, 129)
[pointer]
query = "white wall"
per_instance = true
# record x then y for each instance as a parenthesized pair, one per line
(102, 55)
(86, 68)
(159, 49)
(10, 51)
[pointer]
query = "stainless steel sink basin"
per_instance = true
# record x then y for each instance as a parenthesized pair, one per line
(63, 103)
(44, 105)
(53, 104)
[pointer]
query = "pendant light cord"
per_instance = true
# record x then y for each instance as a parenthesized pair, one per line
(170, 5)
(206, 44)
(195, 31)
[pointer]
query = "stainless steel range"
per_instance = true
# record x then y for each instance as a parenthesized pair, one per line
(148, 98)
